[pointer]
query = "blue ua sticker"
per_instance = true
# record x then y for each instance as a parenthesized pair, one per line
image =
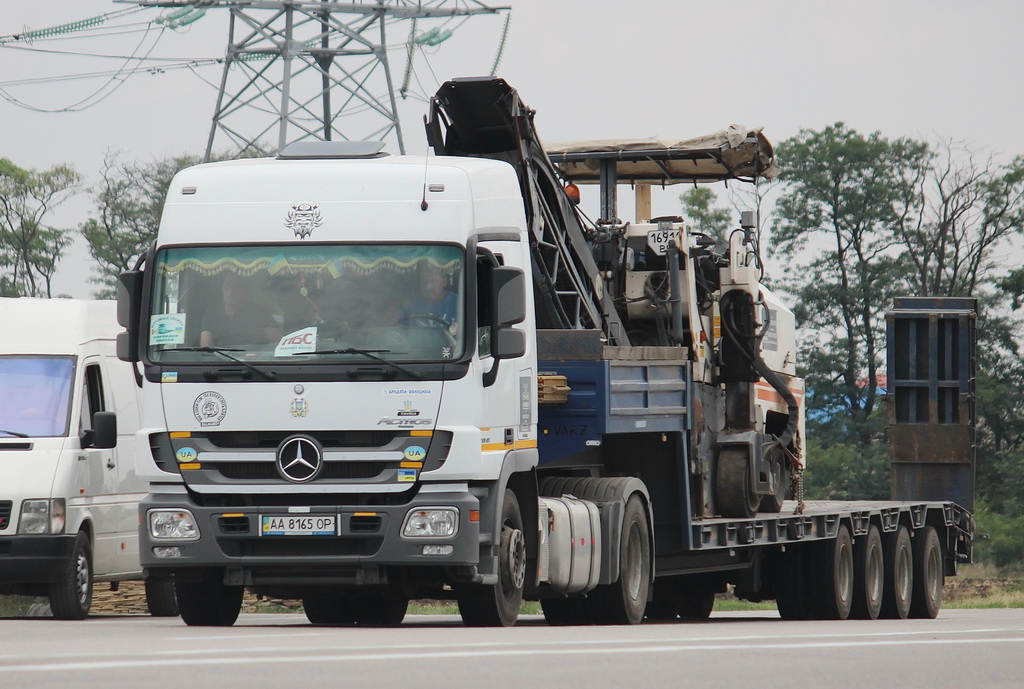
(186, 454)
(415, 453)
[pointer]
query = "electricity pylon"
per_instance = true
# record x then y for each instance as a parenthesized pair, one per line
(315, 70)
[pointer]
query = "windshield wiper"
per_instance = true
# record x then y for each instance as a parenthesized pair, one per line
(369, 354)
(14, 433)
(223, 351)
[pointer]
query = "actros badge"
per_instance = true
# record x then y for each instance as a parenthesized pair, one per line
(299, 459)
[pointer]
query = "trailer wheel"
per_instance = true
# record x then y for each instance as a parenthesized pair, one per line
(161, 598)
(928, 575)
(71, 596)
(899, 575)
(790, 590)
(209, 603)
(832, 594)
(565, 612)
(734, 493)
(624, 601)
(498, 605)
(868, 575)
(328, 608)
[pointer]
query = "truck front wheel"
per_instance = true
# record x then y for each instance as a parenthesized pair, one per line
(498, 605)
(209, 603)
(161, 598)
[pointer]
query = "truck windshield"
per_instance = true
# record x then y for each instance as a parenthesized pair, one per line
(298, 304)
(36, 399)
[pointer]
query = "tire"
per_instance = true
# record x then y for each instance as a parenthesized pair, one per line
(697, 604)
(832, 589)
(625, 601)
(565, 612)
(790, 584)
(733, 491)
(379, 609)
(666, 600)
(772, 504)
(161, 599)
(209, 603)
(929, 576)
(498, 605)
(71, 596)
(899, 575)
(328, 608)
(868, 575)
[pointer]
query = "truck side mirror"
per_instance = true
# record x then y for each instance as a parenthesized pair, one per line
(508, 294)
(103, 435)
(129, 306)
(508, 343)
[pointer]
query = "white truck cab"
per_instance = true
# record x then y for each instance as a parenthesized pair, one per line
(69, 410)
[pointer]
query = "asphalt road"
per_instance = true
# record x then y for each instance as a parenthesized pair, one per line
(962, 648)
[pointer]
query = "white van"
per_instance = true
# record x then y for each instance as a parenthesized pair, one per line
(69, 492)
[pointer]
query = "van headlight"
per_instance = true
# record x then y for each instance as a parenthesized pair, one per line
(42, 516)
(178, 525)
(431, 522)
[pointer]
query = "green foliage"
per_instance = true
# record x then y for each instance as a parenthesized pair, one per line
(30, 248)
(129, 203)
(1001, 541)
(844, 471)
(699, 206)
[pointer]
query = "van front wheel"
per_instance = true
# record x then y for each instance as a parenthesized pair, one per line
(71, 596)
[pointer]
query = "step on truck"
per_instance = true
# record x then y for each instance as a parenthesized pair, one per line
(69, 493)
(371, 378)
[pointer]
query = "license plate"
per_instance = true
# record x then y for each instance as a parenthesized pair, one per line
(296, 525)
(658, 240)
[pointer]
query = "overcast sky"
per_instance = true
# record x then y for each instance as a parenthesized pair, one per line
(591, 68)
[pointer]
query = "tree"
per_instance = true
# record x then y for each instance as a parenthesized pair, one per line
(843, 194)
(129, 202)
(699, 206)
(29, 247)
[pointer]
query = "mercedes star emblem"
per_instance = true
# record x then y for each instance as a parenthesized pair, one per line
(299, 458)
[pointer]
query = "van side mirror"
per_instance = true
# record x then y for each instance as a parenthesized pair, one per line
(129, 306)
(103, 435)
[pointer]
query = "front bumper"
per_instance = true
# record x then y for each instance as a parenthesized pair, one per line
(34, 559)
(369, 540)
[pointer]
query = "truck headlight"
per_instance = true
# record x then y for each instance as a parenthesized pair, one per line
(42, 516)
(177, 525)
(431, 522)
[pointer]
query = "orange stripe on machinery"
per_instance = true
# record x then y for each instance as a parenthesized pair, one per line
(768, 394)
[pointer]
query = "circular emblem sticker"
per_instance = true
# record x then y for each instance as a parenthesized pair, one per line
(415, 453)
(210, 408)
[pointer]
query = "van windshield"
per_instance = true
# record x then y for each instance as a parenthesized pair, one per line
(36, 399)
(306, 303)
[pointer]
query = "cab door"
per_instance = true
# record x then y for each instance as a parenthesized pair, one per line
(96, 475)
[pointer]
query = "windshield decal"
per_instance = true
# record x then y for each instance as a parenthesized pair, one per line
(167, 328)
(298, 342)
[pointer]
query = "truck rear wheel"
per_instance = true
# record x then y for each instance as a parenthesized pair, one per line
(928, 575)
(733, 491)
(498, 605)
(868, 575)
(625, 601)
(899, 575)
(71, 596)
(161, 599)
(832, 595)
(209, 603)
